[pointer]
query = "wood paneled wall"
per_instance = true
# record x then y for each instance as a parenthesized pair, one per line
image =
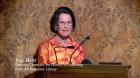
(115, 25)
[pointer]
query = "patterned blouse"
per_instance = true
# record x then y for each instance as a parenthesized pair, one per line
(50, 52)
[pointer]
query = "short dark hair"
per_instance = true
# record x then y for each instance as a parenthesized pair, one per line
(55, 17)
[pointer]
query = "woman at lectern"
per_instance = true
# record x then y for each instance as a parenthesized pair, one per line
(60, 48)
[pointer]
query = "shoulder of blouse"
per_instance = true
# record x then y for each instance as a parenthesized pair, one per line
(45, 42)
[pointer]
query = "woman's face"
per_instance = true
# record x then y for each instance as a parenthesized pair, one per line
(65, 25)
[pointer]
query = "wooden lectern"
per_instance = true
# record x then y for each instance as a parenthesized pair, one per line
(84, 71)
(89, 71)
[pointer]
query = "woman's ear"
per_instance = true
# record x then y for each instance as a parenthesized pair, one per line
(56, 28)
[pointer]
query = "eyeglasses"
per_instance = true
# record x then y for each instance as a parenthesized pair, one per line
(62, 23)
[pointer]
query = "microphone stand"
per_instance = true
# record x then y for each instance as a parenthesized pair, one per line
(87, 38)
(70, 47)
(56, 54)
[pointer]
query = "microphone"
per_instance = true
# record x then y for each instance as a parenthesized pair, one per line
(87, 38)
(70, 47)
(86, 61)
